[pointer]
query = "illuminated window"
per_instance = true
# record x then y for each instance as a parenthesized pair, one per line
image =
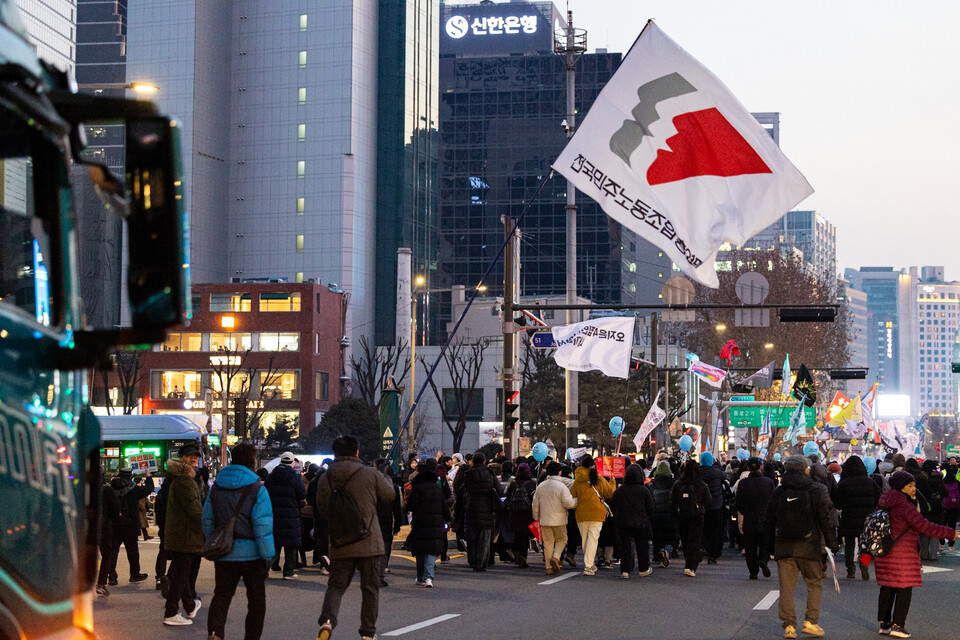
(301, 132)
(279, 302)
(299, 276)
(301, 168)
(303, 59)
(303, 22)
(279, 342)
(181, 342)
(235, 302)
(283, 385)
(239, 382)
(301, 202)
(322, 390)
(230, 341)
(300, 243)
(168, 385)
(302, 95)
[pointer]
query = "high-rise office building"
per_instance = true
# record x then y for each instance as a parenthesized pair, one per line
(887, 291)
(502, 102)
(858, 319)
(934, 321)
(809, 232)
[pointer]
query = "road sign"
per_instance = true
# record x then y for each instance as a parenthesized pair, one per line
(752, 417)
(742, 398)
(952, 450)
(543, 340)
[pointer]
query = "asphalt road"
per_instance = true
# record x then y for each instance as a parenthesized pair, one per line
(507, 603)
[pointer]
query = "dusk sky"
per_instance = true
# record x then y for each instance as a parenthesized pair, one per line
(869, 102)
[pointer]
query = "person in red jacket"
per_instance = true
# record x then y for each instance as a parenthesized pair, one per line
(899, 571)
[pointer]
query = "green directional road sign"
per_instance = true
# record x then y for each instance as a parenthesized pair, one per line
(951, 450)
(752, 417)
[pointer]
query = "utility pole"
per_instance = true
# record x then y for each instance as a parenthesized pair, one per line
(509, 334)
(571, 48)
(655, 372)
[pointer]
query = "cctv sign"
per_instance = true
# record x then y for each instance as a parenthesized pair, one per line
(461, 26)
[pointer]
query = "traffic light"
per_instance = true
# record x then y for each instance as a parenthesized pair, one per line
(511, 409)
(807, 314)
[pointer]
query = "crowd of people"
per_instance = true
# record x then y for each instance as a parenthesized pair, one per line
(342, 518)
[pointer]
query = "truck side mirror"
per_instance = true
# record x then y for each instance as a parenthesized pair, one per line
(159, 263)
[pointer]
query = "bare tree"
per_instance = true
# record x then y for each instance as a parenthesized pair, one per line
(129, 373)
(464, 363)
(264, 398)
(230, 364)
(376, 366)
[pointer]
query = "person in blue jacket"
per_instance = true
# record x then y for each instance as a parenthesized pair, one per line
(253, 547)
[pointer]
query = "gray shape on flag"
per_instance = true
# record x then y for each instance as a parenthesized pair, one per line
(626, 140)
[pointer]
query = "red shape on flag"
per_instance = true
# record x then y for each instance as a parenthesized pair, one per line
(705, 145)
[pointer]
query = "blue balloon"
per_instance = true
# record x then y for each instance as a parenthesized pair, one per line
(685, 443)
(763, 452)
(776, 457)
(870, 464)
(742, 454)
(540, 452)
(616, 426)
(811, 449)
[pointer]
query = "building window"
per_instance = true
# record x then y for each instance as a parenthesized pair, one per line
(303, 59)
(474, 411)
(168, 385)
(279, 342)
(181, 342)
(239, 382)
(301, 132)
(279, 302)
(299, 277)
(303, 22)
(302, 95)
(230, 302)
(280, 384)
(301, 168)
(300, 243)
(322, 391)
(301, 205)
(230, 341)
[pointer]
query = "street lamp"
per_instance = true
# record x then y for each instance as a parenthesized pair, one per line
(721, 327)
(769, 345)
(139, 87)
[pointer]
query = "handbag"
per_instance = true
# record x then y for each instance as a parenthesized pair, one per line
(219, 543)
(603, 502)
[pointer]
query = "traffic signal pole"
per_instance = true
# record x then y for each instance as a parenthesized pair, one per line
(509, 337)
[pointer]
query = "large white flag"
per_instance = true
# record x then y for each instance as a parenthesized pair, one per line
(654, 417)
(602, 343)
(672, 155)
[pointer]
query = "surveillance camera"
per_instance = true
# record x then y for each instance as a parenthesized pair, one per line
(564, 126)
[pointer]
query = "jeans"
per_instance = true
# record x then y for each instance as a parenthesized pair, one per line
(289, 560)
(789, 569)
(227, 576)
(691, 537)
(640, 538)
(181, 585)
(590, 536)
(756, 550)
(896, 601)
(341, 573)
(426, 563)
(553, 540)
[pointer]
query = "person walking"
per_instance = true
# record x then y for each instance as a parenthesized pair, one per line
(390, 517)
(428, 533)
(183, 535)
(478, 500)
(287, 496)
(551, 504)
(632, 505)
(856, 497)
(127, 527)
(712, 475)
(951, 499)
(898, 572)
(688, 501)
(160, 518)
(519, 503)
(110, 512)
(662, 518)
(590, 490)
(801, 519)
(253, 548)
(753, 497)
(348, 492)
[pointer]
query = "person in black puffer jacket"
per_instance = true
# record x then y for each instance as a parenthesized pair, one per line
(110, 513)
(480, 501)
(926, 502)
(687, 500)
(856, 497)
(753, 496)
(712, 475)
(662, 518)
(428, 534)
(632, 505)
(389, 517)
(127, 526)
(521, 512)
(287, 495)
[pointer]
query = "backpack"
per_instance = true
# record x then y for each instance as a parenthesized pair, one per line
(687, 503)
(345, 523)
(520, 499)
(877, 538)
(952, 499)
(795, 519)
(219, 543)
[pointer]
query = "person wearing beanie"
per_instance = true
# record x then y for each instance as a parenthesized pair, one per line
(687, 501)
(519, 501)
(551, 504)
(713, 476)
(662, 518)
(801, 520)
(898, 572)
(632, 506)
(287, 496)
(856, 497)
(753, 496)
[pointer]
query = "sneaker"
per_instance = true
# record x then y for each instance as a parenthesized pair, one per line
(664, 558)
(884, 630)
(325, 562)
(814, 629)
(196, 609)
(164, 586)
(692, 574)
(140, 577)
(292, 576)
(555, 565)
(428, 583)
(624, 575)
(368, 637)
(607, 565)
(113, 582)
(711, 561)
(177, 621)
(590, 571)
(753, 576)
(644, 574)
(851, 575)
(864, 572)
(420, 582)
(102, 590)
(896, 631)
(326, 630)
(789, 631)
(324, 571)
(765, 569)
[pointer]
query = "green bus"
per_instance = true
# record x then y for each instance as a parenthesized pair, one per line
(49, 439)
(161, 435)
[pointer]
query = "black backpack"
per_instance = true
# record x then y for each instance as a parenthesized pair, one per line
(519, 499)
(687, 502)
(345, 523)
(794, 515)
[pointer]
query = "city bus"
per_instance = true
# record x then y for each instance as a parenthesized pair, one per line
(161, 435)
(49, 439)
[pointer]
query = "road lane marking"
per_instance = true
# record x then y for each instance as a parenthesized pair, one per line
(563, 577)
(767, 601)
(933, 569)
(421, 625)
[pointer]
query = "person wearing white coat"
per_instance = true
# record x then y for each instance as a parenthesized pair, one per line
(551, 503)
